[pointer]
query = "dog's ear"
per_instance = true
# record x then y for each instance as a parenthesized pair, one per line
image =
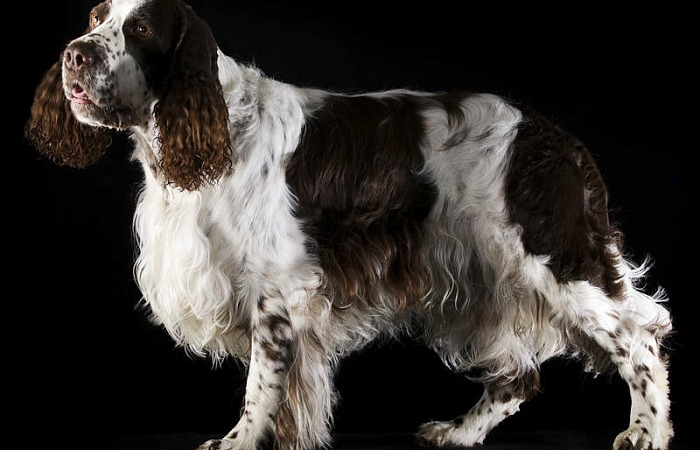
(192, 116)
(56, 133)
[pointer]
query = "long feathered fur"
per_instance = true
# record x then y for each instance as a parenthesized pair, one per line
(54, 130)
(289, 227)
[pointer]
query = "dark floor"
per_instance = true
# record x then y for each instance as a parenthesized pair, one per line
(538, 440)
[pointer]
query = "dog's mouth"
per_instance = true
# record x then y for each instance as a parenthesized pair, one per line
(79, 95)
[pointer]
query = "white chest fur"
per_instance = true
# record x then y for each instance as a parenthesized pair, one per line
(205, 257)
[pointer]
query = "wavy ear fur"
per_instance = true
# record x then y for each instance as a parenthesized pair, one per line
(192, 116)
(56, 133)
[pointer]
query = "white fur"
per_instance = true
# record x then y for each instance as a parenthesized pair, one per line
(225, 269)
(192, 244)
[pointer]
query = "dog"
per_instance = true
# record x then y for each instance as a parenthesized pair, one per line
(288, 227)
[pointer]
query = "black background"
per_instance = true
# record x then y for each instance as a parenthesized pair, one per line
(85, 362)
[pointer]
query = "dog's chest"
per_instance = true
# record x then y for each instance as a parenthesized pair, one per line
(241, 230)
(251, 218)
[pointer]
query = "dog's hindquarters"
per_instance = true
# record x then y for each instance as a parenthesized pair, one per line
(558, 198)
(528, 267)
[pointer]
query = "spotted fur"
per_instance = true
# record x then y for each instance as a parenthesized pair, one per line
(289, 227)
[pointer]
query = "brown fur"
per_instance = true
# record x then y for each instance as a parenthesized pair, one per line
(53, 130)
(192, 114)
(557, 195)
(365, 206)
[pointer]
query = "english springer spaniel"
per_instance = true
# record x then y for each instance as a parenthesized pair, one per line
(289, 226)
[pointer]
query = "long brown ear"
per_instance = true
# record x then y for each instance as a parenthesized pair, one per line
(54, 131)
(192, 116)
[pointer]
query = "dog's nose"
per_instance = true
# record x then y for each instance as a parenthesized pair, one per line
(79, 55)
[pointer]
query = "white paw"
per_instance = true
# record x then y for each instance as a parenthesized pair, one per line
(639, 438)
(445, 435)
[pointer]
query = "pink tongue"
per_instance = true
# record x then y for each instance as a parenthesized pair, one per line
(78, 92)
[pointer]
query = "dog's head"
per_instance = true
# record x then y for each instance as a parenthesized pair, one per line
(140, 63)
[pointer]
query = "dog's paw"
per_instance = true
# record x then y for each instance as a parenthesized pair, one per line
(639, 438)
(444, 435)
(217, 444)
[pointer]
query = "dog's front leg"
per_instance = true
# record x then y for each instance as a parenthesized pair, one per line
(271, 355)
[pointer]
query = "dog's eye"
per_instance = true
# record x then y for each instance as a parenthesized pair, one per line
(143, 28)
(94, 19)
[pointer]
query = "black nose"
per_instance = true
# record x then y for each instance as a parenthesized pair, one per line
(79, 55)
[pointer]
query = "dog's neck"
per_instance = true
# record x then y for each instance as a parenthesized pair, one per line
(255, 103)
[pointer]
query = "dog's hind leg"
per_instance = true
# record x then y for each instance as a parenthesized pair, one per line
(498, 401)
(628, 330)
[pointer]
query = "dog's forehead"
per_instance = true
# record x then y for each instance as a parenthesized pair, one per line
(120, 9)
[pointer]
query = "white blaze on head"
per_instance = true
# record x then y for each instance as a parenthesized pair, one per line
(115, 81)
